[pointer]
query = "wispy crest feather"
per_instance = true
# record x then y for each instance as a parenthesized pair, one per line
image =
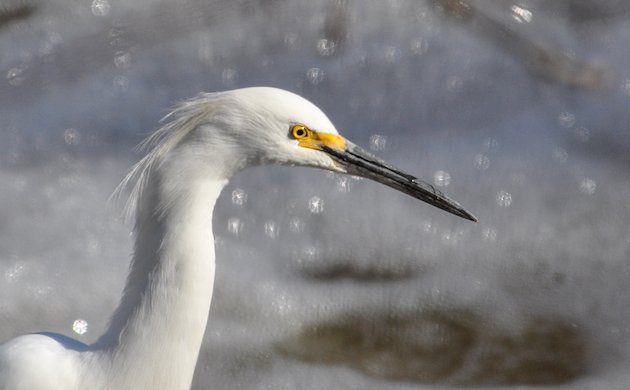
(184, 118)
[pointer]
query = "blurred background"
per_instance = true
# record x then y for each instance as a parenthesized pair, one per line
(519, 110)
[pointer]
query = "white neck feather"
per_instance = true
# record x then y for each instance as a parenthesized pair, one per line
(156, 333)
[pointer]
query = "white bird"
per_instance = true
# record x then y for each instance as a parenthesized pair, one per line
(155, 334)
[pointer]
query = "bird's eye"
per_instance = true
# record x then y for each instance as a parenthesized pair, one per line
(299, 131)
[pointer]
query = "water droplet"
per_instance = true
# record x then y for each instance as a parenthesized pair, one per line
(239, 197)
(448, 237)
(489, 235)
(588, 186)
(325, 47)
(205, 50)
(93, 246)
(490, 144)
(343, 184)
(566, 119)
(454, 84)
(291, 41)
(442, 178)
(71, 136)
(582, 134)
(121, 82)
(625, 87)
(518, 179)
(100, 7)
(392, 54)
(482, 162)
(46, 49)
(16, 76)
(378, 142)
(14, 272)
(559, 155)
(228, 77)
(80, 326)
(309, 254)
(272, 229)
(419, 46)
(296, 225)
(504, 199)
(316, 205)
(315, 75)
(122, 60)
(521, 15)
(235, 226)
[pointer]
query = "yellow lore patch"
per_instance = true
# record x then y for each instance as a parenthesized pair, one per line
(308, 138)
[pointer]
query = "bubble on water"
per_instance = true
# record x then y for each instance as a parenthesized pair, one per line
(14, 272)
(482, 162)
(72, 136)
(449, 237)
(490, 144)
(235, 226)
(419, 46)
(325, 47)
(93, 246)
(504, 199)
(46, 49)
(80, 326)
(55, 38)
(291, 41)
(16, 76)
(521, 15)
(559, 155)
(283, 305)
(582, 134)
(100, 7)
(489, 235)
(588, 186)
(39, 292)
(566, 119)
(343, 183)
(378, 142)
(122, 60)
(454, 84)
(205, 50)
(296, 225)
(272, 230)
(121, 83)
(265, 62)
(392, 54)
(442, 178)
(427, 227)
(239, 197)
(228, 77)
(518, 179)
(308, 254)
(354, 103)
(316, 205)
(315, 75)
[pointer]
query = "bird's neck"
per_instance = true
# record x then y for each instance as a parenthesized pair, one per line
(159, 326)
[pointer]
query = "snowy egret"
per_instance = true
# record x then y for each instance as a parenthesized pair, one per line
(154, 335)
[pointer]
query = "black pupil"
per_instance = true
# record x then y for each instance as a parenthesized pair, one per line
(299, 132)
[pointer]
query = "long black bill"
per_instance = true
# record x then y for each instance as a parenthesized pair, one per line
(361, 163)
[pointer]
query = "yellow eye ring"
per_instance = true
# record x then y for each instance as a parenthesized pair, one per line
(299, 131)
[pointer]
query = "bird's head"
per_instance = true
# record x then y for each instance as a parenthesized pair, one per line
(283, 128)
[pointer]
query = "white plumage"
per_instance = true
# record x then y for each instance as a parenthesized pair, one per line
(154, 335)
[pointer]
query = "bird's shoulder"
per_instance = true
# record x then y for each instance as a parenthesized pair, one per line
(40, 361)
